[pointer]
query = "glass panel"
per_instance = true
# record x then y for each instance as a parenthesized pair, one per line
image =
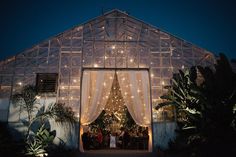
(120, 62)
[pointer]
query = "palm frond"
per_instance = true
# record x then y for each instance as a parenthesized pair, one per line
(59, 112)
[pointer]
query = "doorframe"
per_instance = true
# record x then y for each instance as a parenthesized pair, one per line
(115, 69)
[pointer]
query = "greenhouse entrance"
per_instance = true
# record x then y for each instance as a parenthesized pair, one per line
(115, 110)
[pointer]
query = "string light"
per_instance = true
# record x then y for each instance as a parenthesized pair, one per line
(20, 83)
(115, 108)
(113, 47)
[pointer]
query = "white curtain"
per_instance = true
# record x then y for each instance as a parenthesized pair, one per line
(96, 86)
(95, 92)
(135, 89)
(136, 93)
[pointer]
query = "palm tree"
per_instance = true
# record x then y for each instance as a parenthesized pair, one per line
(27, 100)
(36, 142)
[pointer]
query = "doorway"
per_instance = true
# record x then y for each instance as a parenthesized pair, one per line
(115, 110)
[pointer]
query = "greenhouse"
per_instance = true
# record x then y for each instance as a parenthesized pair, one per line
(110, 64)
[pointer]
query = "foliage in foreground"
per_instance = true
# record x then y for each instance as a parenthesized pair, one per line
(205, 111)
(37, 142)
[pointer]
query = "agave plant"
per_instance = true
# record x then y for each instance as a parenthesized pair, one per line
(39, 141)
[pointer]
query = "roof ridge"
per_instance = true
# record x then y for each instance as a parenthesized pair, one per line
(114, 10)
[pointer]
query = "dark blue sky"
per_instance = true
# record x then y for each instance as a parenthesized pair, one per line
(209, 24)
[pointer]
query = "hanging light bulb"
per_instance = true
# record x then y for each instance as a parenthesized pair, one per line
(104, 84)
(113, 47)
(20, 83)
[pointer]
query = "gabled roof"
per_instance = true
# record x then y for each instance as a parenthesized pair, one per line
(134, 28)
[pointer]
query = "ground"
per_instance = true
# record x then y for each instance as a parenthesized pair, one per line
(111, 153)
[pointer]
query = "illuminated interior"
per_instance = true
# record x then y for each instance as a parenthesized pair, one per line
(112, 91)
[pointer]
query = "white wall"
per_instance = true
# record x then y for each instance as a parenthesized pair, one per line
(14, 113)
(4, 105)
(163, 132)
(64, 131)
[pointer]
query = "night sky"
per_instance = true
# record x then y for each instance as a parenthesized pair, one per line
(210, 24)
